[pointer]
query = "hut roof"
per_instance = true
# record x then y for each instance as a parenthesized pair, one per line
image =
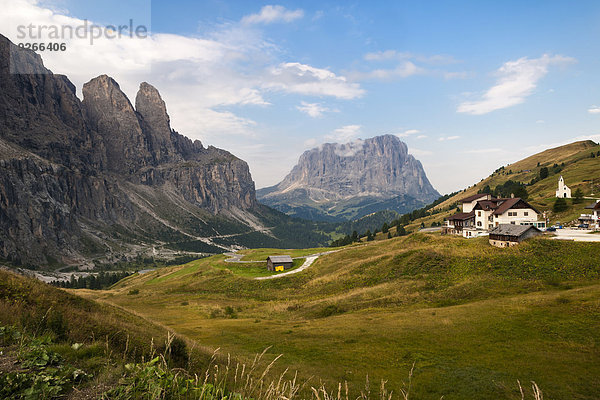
(280, 259)
(512, 230)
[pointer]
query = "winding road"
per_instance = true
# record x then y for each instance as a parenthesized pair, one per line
(237, 258)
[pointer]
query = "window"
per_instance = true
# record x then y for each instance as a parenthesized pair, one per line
(479, 213)
(525, 213)
(478, 223)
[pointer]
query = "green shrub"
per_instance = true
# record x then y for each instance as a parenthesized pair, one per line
(330, 310)
(560, 205)
(230, 312)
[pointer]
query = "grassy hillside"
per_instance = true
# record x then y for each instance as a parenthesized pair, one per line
(579, 169)
(575, 164)
(472, 318)
(53, 343)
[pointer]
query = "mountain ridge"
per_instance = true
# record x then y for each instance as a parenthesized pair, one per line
(98, 180)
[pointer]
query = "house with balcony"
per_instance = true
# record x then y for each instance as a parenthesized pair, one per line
(489, 212)
(592, 219)
(456, 223)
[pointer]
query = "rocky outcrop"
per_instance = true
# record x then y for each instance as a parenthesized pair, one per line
(155, 124)
(335, 178)
(109, 112)
(98, 175)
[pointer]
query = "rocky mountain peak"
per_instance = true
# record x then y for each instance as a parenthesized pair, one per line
(379, 166)
(98, 179)
(155, 122)
(335, 175)
(149, 103)
(111, 114)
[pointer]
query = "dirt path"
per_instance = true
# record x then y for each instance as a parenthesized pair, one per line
(237, 258)
(307, 263)
(578, 235)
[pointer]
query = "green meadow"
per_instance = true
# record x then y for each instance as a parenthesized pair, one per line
(471, 318)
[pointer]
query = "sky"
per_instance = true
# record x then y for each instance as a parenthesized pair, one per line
(468, 85)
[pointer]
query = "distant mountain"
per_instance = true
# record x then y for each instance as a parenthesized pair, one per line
(340, 182)
(100, 180)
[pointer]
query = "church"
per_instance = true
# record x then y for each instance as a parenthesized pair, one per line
(563, 190)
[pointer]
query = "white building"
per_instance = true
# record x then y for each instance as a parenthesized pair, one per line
(592, 219)
(563, 190)
(468, 203)
(489, 212)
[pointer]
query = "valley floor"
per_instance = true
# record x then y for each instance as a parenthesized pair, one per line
(472, 319)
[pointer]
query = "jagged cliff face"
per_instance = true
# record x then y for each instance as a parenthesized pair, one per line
(73, 171)
(366, 174)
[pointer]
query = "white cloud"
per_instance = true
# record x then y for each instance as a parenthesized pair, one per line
(528, 150)
(407, 64)
(443, 138)
(385, 55)
(197, 76)
(420, 153)
(407, 133)
(388, 55)
(346, 139)
(516, 81)
(312, 142)
(318, 15)
(307, 80)
(314, 110)
(455, 75)
(421, 136)
(271, 14)
(201, 78)
(540, 121)
(594, 110)
(344, 134)
(403, 70)
(349, 149)
(483, 151)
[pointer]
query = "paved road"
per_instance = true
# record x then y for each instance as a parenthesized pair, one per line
(236, 258)
(307, 263)
(432, 229)
(309, 260)
(578, 235)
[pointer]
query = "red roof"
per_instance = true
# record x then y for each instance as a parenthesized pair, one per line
(500, 206)
(486, 205)
(462, 216)
(595, 206)
(510, 203)
(475, 197)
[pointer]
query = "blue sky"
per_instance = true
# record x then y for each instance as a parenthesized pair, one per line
(468, 85)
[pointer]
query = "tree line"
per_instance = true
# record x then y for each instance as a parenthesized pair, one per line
(103, 280)
(399, 223)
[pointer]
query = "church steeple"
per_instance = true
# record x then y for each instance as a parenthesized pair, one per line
(563, 190)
